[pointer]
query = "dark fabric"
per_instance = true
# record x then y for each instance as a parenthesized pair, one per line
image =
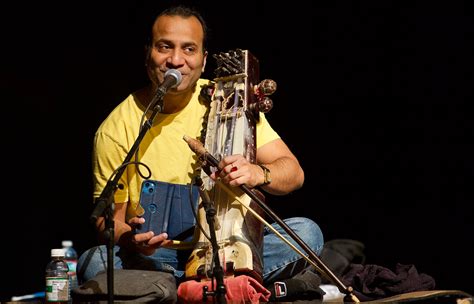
(338, 254)
(129, 286)
(371, 282)
(303, 286)
(345, 258)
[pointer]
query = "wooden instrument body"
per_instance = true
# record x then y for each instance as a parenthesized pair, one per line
(231, 129)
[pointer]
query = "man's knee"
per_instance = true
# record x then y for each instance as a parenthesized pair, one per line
(309, 231)
(90, 263)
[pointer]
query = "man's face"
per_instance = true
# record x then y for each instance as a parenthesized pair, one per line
(177, 43)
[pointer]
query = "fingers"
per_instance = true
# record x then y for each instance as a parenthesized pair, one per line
(227, 165)
(134, 221)
(149, 238)
(232, 163)
(147, 243)
(228, 169)
(158, 240)
(143, 238)
(235, 170)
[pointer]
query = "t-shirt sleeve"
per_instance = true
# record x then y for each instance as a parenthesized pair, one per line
(265, 132)
(104, 164)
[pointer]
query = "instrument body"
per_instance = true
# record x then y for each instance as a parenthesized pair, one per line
(240, 235)
(231, 129)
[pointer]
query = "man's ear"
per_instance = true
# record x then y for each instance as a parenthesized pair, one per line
(204, 62)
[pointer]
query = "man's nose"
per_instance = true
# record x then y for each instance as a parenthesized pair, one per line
(176, 58)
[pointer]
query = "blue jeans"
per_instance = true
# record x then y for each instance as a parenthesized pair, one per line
(280, 261)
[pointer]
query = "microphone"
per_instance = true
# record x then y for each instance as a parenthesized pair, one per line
(172, 79)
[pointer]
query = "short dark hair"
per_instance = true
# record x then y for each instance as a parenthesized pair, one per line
(186, 12)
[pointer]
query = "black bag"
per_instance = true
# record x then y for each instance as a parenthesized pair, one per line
(304, 286)
(130, 285)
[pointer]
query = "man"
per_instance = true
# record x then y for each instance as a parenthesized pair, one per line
(177, 42)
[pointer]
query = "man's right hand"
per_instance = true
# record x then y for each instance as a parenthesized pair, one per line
(147, 242)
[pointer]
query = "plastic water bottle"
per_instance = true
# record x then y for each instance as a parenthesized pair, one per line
(57, 279)
(70, 256)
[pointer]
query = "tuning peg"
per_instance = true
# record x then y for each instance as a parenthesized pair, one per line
(266, 87)
(264, 104)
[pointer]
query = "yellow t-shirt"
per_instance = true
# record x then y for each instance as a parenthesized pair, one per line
(162, 149)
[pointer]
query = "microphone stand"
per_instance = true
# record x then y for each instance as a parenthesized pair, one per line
(218, 271)
(104, 204)
(197, 147)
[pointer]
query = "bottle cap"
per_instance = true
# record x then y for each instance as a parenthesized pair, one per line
(57, 252)
(66, 243)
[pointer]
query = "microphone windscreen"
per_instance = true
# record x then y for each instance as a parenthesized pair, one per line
(176, 74)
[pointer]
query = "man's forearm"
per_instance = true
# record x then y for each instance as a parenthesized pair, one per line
(286, 176)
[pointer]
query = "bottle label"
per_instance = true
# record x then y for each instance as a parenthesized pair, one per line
(72, 265)
(57, 289)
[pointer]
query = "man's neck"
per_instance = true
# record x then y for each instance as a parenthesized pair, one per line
(172, 103)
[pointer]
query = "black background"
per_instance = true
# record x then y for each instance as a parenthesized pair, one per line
(375, 99)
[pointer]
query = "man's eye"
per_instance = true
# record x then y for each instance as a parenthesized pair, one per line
(190, 50)
(163, 47)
